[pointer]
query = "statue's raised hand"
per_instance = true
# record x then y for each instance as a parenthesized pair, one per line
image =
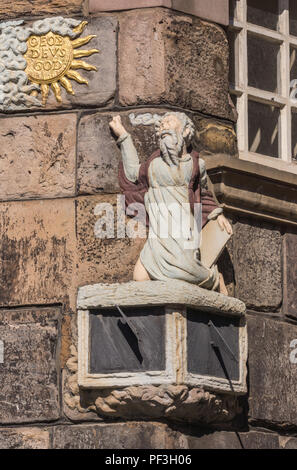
(117, 126)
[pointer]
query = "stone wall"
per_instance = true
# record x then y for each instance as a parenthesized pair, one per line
(56, 164)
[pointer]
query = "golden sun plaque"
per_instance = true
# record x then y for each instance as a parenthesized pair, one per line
(51, 61)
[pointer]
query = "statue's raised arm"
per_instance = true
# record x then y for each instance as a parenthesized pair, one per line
(128, 150)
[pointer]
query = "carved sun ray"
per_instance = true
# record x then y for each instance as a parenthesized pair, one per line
(52, 61)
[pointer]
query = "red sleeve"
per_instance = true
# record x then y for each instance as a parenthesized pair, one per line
(197, 194)
(208, 205)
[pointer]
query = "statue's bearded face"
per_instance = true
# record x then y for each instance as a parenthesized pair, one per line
(171, 139)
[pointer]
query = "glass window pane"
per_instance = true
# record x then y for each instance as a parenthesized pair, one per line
(294, 137)
(293, 73)
(293, 17)
(263, 129)
(263, 13)
(232, 8)
(262, 64)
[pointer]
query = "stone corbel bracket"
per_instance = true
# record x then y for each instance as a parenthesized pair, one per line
(254, 189)
(188, 355)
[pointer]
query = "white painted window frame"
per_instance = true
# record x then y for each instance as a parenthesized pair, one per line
(244, 92)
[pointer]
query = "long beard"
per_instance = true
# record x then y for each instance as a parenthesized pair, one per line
(171, 145)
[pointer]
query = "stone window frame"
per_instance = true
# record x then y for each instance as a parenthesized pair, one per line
(244, 92)
(87, 379)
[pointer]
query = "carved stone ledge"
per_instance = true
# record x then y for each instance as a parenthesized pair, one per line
(171, 292)
(254, 189)
(173, 402)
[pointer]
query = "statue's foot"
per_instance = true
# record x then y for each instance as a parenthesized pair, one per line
(222, 285)
(140, 273)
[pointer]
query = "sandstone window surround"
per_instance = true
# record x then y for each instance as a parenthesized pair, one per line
(213, 10)
(263, 39)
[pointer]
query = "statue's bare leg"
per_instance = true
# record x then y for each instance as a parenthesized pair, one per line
(140, 273)
(222, 285)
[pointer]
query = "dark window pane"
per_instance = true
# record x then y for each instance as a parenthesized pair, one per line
(293, 17)
(114, 347)
(263, 13)
(262, 63)
(263, 129)
(231, 38)
(293, 73)
(294, 137)
(232, 8)
(203, 358)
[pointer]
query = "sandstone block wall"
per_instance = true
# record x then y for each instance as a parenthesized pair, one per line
(56, 164)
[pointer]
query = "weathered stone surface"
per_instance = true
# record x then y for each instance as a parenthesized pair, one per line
(257, 264)
(29, 374)
(102, 259)
(71, 394)
(102, 83)
(232, 440)
(272, 377)
(213, 10)
(37, 155)
(24, 438)
(37, 252)
(288, 442)
(214, 137)
(259, 440)
(152, 435)
(105, 5)
(131, 435)
(99, 155)
(290, 274)
(40, 7)
(165, 57)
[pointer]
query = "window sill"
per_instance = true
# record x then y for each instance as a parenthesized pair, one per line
(271, 162)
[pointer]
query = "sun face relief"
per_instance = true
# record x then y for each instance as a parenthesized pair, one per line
(51, 61)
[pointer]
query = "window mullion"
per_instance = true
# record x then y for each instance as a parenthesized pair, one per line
(284, 82)
(242, 101)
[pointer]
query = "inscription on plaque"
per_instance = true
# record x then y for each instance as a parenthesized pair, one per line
(48, 57)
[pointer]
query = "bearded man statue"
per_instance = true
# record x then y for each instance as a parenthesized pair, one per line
(173, 177)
